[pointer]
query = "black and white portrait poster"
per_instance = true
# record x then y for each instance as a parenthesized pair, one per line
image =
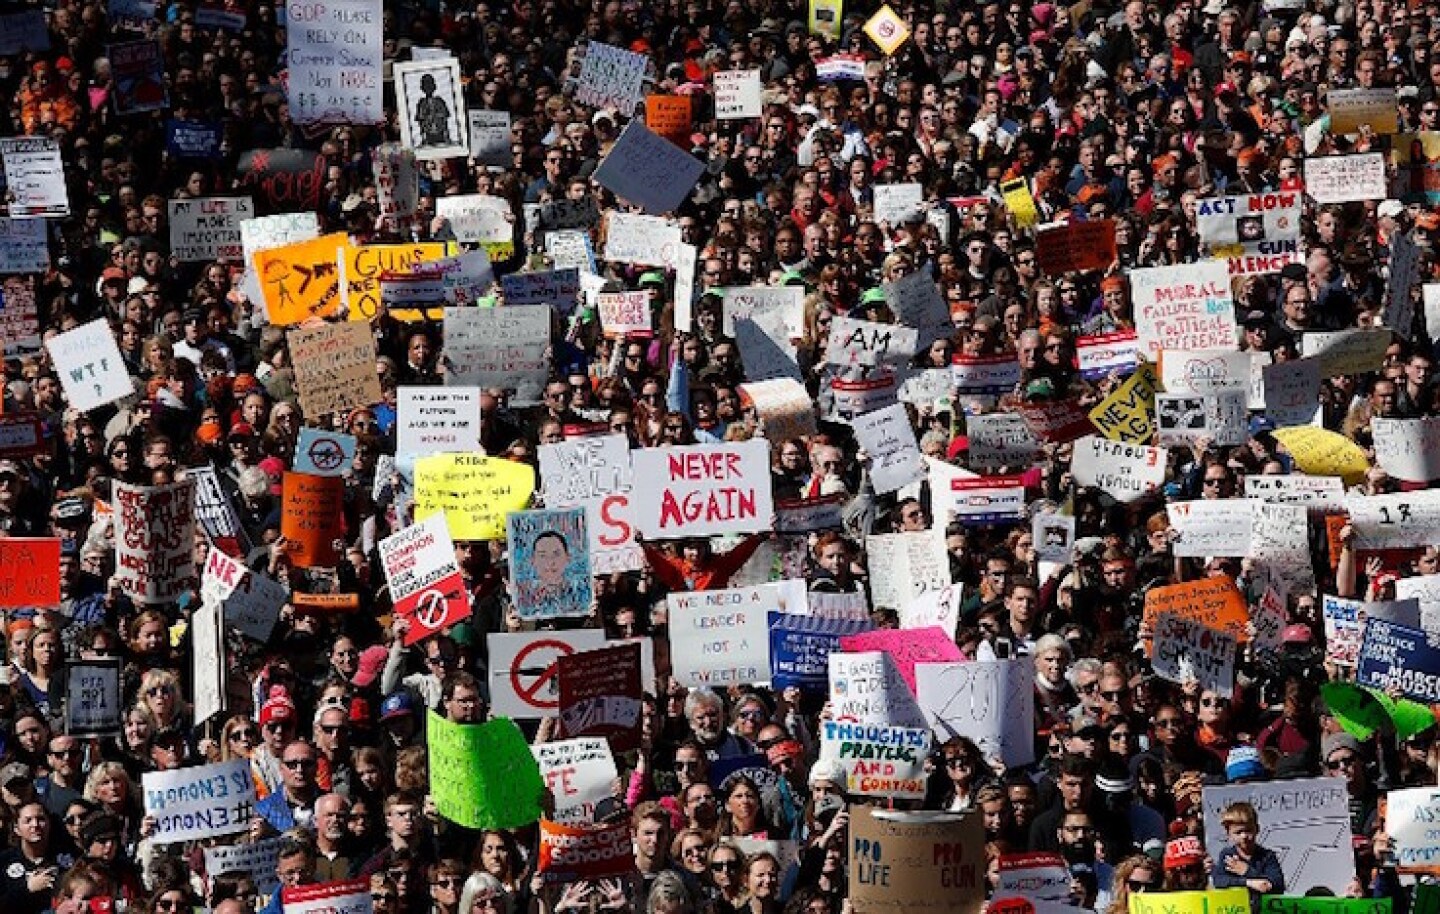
(432, 108)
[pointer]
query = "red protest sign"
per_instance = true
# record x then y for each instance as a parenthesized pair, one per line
(425, 582)
(1075, 247)
(600, 695)
(571, 853)
(669, 116)
(29, 572)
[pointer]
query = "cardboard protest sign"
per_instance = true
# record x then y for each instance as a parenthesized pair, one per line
(90, 366)
(1343, 352)
(1398, 656)
(202, 801)
(991, 702)
(1213, 602)
(648, 170)
(335, 62)
(1210, 527)
(737, 94)
(1186, 651)
(879, 761)
(34, 178)
(23, 246)
(29, 572)
(312, 518)
(578, 773)
(474, 491)
(1314, 848)
(483, 775)
(889, 439)
(624, 313)
(92, 698)
(703, 490)
(916, 862)
(1211, 371)
(208, 228)
(250, 601)
(800, 649)
(301, 280)
(721, 637)
(259, 860)
(1345, 179)
(867, 688)
(646, 241)
(1075, 247)
(1407, 449)
(478, 218)
(431, 419)
(1254, 233)
(499, 347)
(601, 694)
(556, 289)
(426, 586)
(1401, 520)
(571, 853)
(154, 540)
(322, 453)
(549, 563)
(1280, 546)
(1125, 472)
(1351, 109)
(784, 407)
(1187, 307)
(363, 266)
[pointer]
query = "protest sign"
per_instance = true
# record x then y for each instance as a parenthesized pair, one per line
(1292, 391)
(1000, 440)
(23, 246)
(1346, 179)
(474, 491)
(1186, 307)
(478, 218)
(867, 688)
(215, 513)
(1075, 247)
(1407, 449)
(203, 801)
(1054, 537)
(645, 241)
(991, 375)
(570, 249)
(906, 566)
(1352, 109)
(853, 398)
(1185, 419)
(611, 77)
(1398, 656)
(669, 116)
(265, 232)
(1128, 413)
(840, 67)
(786, 304)
(737, 94)
(1310, 904)
(895, 203)
(1213, 901)
(594, 473)
(572, 853)
(335, 62)
(22, 436)
(1425, 589)
(1205, 372)
(986, 499)
(334, 367)
(92, 698)
(578, 773)
(425, 582)
(800, 649)
(1036, 876)
(207, 660)
(925, 386)
(34, 178)
(1107, 353)
(312, 518)
(1123, 471)
(1306, 823)
(555, 288)
(1186, 651)
(19, 314)
(208, 228)
(768, 351)
(1352, 351)
(1410, 821)
(1254, 233)
(430, 419)
(809, 515)
(301, 280)
(1401, 520)
(989, 701)
(1280, 545)
(850, 607)
(490, 137)
(549, 563)
(624, 314)
(29, 572)
(1056, 421)
(138, 82)
(430, 101)
(916, 862)
(351, 897)
(90, 366)
(934, 609)
(703, 490)
(322, 453)
(1321, 452)
(601, 694)
(154, 541)
(25, 31)
(1213, 602)
(363, 265)
(1210, 527)
(889, 440)
(648, 170)
(907, 648)
(1343, 626)
(915, 300)
(483, 775)
(721, 637)
(1398, 310)
(260, 860)
(251, 601)
(499, 347)
(879, 761)
(863, 343)
(524, 670)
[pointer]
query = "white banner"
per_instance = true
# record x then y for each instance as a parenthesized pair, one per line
(1208, 527)
(720, 638)
(737, 94)
(1408, 449)
(1123, 471)
(703, 490)
(1314, 848)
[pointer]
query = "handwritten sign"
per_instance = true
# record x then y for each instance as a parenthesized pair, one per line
(301, 280)
(1345, 179)
(1213, 602)
(90, 367)
(334, 367)
(312, 518)
(703, 490)
(499, 347)
(888, 438)
(1123, 471)
(648, 170)
(867, 688)
(336, 49)
(916, 862)
(483, 775)
(154, 541)
(34, 178)
(1186, 651)
(425, 582)
(92, 698)
(208, 228)
(721, 637)
(1075, 247)
(864, 343)
(199, 802)
(1351, 109)
(1188, 306)
(1407, 449)
(737, 94)
(601, 694)
(578, 773)
(1314, 849)
(625, 313)
(474, 491)
(1401, 520)
(879, 761)
(1128, 413)
(1254, 233)
(990, 702)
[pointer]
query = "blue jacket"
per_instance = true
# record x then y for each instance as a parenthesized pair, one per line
(1263, 865)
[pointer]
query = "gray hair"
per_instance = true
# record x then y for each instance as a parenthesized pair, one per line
(668, 888)
(1083, 665)
(253, 483)
(483, 884)
(1053, 642)
(702, 696)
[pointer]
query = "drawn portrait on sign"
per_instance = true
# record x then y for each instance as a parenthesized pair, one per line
(549, 563)
(432, 108)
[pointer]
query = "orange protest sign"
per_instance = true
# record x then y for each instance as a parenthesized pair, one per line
(669, 116)
(312, 517)
(326, 602)
(301, 280)
(1214, 602)
(29, 572)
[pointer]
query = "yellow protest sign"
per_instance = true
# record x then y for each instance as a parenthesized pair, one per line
(1128, 414)
(301, 280)
(1020, 203)
(1321, 452)
(825, 18)
(474, 491)
(887, 30)
(1215, 901)
(364, 265)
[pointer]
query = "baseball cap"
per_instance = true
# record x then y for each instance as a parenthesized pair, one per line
(397, 705)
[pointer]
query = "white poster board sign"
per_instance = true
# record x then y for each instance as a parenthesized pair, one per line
(204, 801)
(1314, 847)
(991, 702)
(90, 367)
(737, 94)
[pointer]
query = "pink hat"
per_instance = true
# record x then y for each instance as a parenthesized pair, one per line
(372, 661)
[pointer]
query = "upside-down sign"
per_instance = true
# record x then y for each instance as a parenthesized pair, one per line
(425, 582)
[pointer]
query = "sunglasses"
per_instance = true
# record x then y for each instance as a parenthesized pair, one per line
(1338, 763)
(299, 764)
(1139, 885)
(244, 734)
(721, 866)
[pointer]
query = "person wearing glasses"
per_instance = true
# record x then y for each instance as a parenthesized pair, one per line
(294, 803)
(65, 783)
(960, 772)
(440, 657)
(1344, 760)
(1135, 874)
